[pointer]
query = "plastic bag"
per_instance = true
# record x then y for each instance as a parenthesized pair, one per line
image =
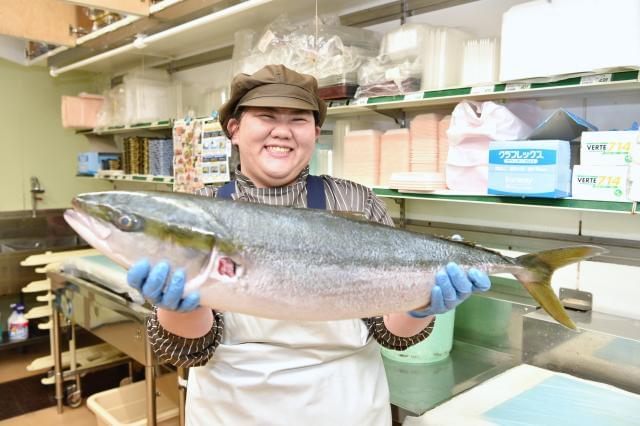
(473, 126)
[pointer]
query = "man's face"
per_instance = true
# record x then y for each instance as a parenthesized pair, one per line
(275, 143)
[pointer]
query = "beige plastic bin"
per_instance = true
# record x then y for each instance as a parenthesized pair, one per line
(126, 405)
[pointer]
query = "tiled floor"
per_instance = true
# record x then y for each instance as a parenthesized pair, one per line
(80, 416)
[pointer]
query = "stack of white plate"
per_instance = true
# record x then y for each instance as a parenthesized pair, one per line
(424, 143)
(417, 182)
(362, 156)
(394, 154)
(443, 143)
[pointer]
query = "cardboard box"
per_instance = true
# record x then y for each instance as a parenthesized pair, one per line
(530, 168)
(608, 148)
(90, 163)
(603, 183)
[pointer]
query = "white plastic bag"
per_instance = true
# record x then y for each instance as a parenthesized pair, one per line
(473, 126)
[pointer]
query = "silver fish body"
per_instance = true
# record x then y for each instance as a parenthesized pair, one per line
(280, 262)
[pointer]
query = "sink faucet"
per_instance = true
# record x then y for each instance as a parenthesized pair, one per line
(35, 190)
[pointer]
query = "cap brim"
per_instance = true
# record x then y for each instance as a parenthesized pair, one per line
(278, 102)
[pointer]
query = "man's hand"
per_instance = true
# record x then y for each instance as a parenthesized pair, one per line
(453, 286)
(151, 283)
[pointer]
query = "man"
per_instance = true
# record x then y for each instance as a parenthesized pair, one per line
(256, 371)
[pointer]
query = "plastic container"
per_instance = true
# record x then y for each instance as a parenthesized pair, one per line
(126, 405)
(433, 349)
(81, 112)
(147, 100)
(18, 324)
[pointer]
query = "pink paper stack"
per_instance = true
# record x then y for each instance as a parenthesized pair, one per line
(443, 143)
(394, 154)
(424, 142)
(362, 156)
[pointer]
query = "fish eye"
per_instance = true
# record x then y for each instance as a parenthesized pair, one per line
(126, 222)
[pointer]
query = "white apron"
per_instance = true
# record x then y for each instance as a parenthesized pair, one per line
(271, 372)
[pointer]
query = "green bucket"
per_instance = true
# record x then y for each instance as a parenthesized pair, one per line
(434, 348)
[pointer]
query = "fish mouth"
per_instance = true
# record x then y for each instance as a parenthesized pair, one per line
(93, 231)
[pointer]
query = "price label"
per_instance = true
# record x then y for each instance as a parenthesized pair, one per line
(514, 87)
(595, 79)
(413, 96)
(360, 101)
(479, 90)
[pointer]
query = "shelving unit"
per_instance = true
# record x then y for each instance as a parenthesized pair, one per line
(561, 203)
(129, 128)
(586, 85)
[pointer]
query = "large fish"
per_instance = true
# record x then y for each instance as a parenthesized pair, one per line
(290, 263)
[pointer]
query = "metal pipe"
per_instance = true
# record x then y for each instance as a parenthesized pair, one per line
(150, 381)
(57, 357)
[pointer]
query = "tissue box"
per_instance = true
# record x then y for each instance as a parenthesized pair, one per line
(530, 168)
(608, 148)
(603, 183)
(90, 163)
(634, 182)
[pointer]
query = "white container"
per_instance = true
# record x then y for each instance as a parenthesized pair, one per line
(608, 148)
(126, 406)
(602, 183)
(147, 100)
(552, 38)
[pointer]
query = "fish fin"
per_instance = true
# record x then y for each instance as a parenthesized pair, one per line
(541, 266)
(349, 215)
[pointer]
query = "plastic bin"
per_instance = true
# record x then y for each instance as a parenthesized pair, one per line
(81, 112)
(126, 405)
(434, 348)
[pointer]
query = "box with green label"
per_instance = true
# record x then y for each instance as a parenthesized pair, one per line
(603, 183)
(608, 148)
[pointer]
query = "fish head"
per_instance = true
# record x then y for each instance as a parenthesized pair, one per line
(129, 226)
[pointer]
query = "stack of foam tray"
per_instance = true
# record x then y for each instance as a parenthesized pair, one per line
(443, 143)
(424, 142)
(417, 182)
(362, 156)
(527, 395)
(394, 154)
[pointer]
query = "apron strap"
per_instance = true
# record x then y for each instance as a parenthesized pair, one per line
(227, 190)
(315, 192)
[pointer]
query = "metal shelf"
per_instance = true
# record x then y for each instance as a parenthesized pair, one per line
(130, 128)
(562, 203)
(168, 180)
(585, 85)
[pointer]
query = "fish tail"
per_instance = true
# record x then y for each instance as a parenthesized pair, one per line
(539, 269)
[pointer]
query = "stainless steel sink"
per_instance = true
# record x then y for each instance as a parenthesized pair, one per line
(22, 236)
(27, 244)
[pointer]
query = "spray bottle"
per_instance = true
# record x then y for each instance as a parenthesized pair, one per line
(18, 324)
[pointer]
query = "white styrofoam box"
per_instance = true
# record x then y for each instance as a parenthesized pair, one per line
(607, 148)
(579, 36)
(530, 168)
(603, 183)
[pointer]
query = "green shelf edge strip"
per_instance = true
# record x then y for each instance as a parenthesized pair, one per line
(614, 206)
(501, 87)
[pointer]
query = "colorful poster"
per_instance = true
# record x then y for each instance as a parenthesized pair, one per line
(201, 154)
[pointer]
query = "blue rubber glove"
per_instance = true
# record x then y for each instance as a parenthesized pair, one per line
(151, 283)
(453, 287)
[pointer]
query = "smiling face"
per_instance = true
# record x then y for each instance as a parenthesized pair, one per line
(275, 144)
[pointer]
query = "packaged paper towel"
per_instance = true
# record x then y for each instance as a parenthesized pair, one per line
(608, 148)
(603, 183)
(530, 168)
